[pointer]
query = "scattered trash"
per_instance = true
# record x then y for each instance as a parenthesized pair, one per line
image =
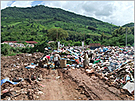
(7, 80)
(42, 85)
(31, 66)
(129, 86)
(40, 92)
(58, 77)
(5, 91)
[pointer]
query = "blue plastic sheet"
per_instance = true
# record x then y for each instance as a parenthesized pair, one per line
(100, 50)
(81, 65)
(49, 47)
(105, 49)
(76, 57)
(7, 80)
(73, 65)
(63, 59)
(31, 66)
(127, 77)
(72, 60)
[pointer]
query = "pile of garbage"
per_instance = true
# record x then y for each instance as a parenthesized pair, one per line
(114, 65)
(19, 82)
(21, 74)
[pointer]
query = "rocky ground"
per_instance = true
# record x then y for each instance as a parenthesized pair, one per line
(58, 84)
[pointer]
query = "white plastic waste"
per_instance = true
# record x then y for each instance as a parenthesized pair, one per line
(129, 86)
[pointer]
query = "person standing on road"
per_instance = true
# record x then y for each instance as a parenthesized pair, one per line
(85, 62)
(56, 60)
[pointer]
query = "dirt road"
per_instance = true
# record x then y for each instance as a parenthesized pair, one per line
(76, 85)
(56, 88)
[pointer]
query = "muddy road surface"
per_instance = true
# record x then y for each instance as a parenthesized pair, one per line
(77, 85)
(58, 88)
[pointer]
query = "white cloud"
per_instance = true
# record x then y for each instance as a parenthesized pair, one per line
(123, 12)
(66, 5)
(5, 4)
(116, 12)
(22, 4)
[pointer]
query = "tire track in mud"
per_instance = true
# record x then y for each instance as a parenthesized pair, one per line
(71, 87)
(93, 87)
(60, 89)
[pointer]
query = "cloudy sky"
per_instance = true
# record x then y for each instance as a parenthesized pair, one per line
(115, 12)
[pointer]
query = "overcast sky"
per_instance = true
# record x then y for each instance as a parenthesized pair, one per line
(115, 12)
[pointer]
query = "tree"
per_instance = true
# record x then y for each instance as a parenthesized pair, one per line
(62, 34)
(57, 34)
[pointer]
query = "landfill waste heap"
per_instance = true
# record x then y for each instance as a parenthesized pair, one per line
(21, 74)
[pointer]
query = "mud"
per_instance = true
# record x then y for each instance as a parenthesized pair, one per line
(95, 88)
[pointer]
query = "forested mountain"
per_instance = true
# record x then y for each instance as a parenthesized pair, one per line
(53, 14)
(129, 25)
(33, 23)
(38, 19)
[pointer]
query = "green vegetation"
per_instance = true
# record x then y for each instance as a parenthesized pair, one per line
(119, 36)
(41, 24)
(129, 25)
(57, 34)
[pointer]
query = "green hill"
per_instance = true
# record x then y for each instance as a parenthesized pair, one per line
(23, 22)
(33, 23)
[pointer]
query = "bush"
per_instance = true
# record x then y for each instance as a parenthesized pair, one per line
(12, 54)
(5, 49)
(78, 43)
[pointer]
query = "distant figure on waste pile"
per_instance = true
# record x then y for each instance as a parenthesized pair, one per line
(48, 57)
(43, 61)
(56, 60)
(90, 54)
(85, 62)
